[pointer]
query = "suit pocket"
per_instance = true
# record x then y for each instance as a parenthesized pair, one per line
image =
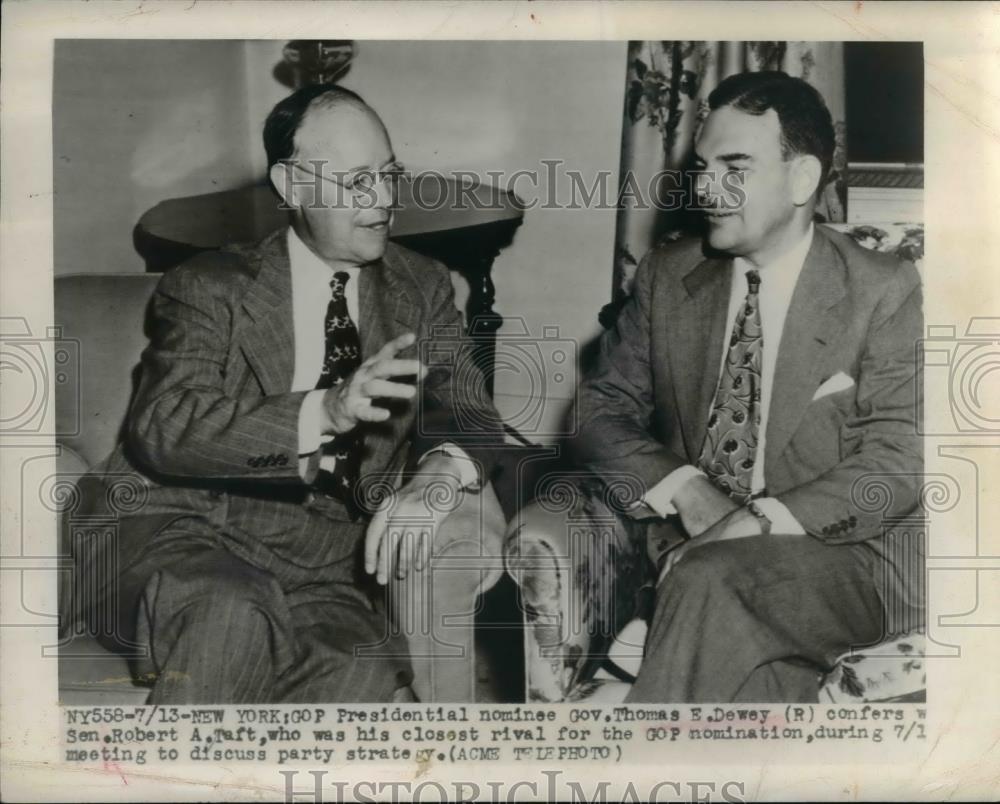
(842, 400)
(836, 411)
(818, 444)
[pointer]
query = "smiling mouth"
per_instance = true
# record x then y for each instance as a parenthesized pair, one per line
(718, 215)
(378, 226)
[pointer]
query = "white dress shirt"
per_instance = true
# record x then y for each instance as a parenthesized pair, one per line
(777, 283)
(310, 298)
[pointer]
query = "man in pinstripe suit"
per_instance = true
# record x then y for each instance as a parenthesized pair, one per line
(243, 573)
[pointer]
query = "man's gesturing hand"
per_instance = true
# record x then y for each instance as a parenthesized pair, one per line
(350, 403)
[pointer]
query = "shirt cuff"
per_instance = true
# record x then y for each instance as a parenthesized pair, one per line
(468, 471)
(782, 520)
(311, 437)
(660, 498)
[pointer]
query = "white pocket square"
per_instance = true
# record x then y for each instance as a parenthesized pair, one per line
(838, 382)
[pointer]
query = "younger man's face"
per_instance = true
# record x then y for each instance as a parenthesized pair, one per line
(729, 141)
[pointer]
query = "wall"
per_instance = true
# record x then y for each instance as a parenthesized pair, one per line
(134, 123)
(139, 122)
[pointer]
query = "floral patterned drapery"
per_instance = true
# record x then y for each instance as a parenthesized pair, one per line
(666, 97)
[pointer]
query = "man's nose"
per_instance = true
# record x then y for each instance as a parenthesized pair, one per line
(706, 188)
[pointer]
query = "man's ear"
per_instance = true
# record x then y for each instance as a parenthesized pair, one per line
(281, 179)
(806, 172)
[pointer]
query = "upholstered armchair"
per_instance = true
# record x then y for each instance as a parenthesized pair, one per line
(582, 578)
(587, 588)
(104, 316)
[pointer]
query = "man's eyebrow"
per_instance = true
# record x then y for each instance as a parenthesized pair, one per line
(731, 157)
(362, 168)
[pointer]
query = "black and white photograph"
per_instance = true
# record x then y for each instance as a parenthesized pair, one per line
(411, 401)
(295, 525)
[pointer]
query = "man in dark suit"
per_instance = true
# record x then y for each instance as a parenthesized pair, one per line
(758, 387)
(277, 404)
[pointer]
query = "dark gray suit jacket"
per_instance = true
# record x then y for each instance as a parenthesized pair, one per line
(843, 464)
(213, 428)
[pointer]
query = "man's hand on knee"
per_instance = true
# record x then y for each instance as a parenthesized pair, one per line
(402, 530)
(740, 523)
(701, 505)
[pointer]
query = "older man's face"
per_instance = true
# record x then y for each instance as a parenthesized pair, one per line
(341, 143)
(734, 141)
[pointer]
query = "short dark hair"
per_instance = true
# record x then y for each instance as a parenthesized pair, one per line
(287, 115)
(806, 125)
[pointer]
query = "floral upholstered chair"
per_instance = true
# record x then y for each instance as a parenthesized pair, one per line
(587, 587)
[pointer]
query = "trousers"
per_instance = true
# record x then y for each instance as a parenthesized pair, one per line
(211, 627)
(757, 619)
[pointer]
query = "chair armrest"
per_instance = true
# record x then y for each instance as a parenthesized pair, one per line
(436, 608)
(538, 555)
(578, 568)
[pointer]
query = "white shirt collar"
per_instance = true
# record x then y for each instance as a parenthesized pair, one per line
(306, 264)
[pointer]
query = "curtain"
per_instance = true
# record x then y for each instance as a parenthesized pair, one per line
(666, 98)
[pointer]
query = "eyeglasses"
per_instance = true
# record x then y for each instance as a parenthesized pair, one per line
(363, 181)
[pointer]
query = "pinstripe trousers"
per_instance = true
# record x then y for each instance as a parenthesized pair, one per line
(221, 628)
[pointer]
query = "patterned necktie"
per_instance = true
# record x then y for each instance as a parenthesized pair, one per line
(342, 357)
(730, 447)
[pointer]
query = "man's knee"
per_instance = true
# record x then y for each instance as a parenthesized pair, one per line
(221, 587)
(713, 566)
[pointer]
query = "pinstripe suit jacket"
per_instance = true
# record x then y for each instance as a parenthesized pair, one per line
(213, 432)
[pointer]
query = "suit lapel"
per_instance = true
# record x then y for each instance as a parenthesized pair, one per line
(386, 310)
(810, 327)
(268, 342)
(697, 327)
(385, 306)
